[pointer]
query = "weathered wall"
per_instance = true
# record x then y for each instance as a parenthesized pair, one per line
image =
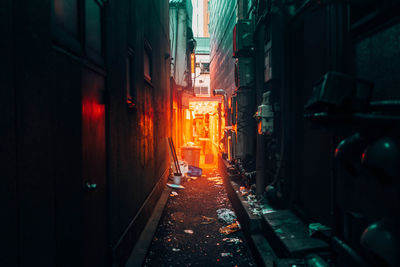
(8, 156)
(222, 65)
(180, 24)
(137, 137)
(318, 39)
(57, 91)
(377, 59)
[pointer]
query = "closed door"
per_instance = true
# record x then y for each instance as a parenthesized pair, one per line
(93, 170)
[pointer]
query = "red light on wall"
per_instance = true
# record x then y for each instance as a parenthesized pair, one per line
(363, 157)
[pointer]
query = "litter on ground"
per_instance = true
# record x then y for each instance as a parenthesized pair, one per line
(226, 215)
(234, 227)
(176, 186)
(232, 240)
(207, 220)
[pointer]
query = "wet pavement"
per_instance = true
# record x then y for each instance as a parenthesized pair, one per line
(190, 232)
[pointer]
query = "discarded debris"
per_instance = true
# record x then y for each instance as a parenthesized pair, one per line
(226, 254)
(194, 171)
(256, 211)
(175, 186)
(268, 210)
(173, 194)
(234, 227)
(189, 231)
(176, 249)
(207, 220)
(226, 215)
(232, 240)
(318, 228)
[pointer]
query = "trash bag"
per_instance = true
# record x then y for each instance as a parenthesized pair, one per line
(226, 215)
(194, 171)
(230, 228)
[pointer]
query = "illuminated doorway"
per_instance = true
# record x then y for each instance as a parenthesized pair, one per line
(202, 129)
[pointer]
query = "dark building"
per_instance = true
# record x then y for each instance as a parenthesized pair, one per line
(326, 76)
(85, 104)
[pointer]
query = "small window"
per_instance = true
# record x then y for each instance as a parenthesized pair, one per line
(93, 27)
(204, 90)
(205, 68)
(66, 16)
(147, 62)
(130, 80)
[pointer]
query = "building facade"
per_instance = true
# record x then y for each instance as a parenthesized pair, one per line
(86, 100)
(182, 48)
(222, 21)
(201, 77)
(201, 18)
(305, 159)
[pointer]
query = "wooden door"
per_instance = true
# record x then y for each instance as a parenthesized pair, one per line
(93, 170)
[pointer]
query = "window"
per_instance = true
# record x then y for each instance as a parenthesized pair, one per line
(205, 68)
(77, 25)
(66, 16)
(147, 62)
(201, 90)
(130, 80)
(93, 26)
(66, 24)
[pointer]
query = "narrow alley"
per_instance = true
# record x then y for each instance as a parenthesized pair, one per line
(191, 231)
(200, 133)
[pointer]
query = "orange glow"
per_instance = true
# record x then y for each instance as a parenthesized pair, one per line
(192, 63)
(146, 131)
(201, 129)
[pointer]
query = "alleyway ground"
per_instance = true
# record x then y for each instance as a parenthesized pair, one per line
(206, 246)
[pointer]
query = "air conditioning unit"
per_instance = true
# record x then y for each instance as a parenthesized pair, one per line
(242, 38)
(244, 72)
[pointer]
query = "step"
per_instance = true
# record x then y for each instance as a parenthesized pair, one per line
(286, 231)
(264, 254)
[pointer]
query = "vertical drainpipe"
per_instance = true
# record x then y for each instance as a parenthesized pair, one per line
(176, 39)
(260, 139)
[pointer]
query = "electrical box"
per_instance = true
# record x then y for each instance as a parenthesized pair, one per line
(338, 91)
(244, 72)
(243, 38)
(265, 116)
